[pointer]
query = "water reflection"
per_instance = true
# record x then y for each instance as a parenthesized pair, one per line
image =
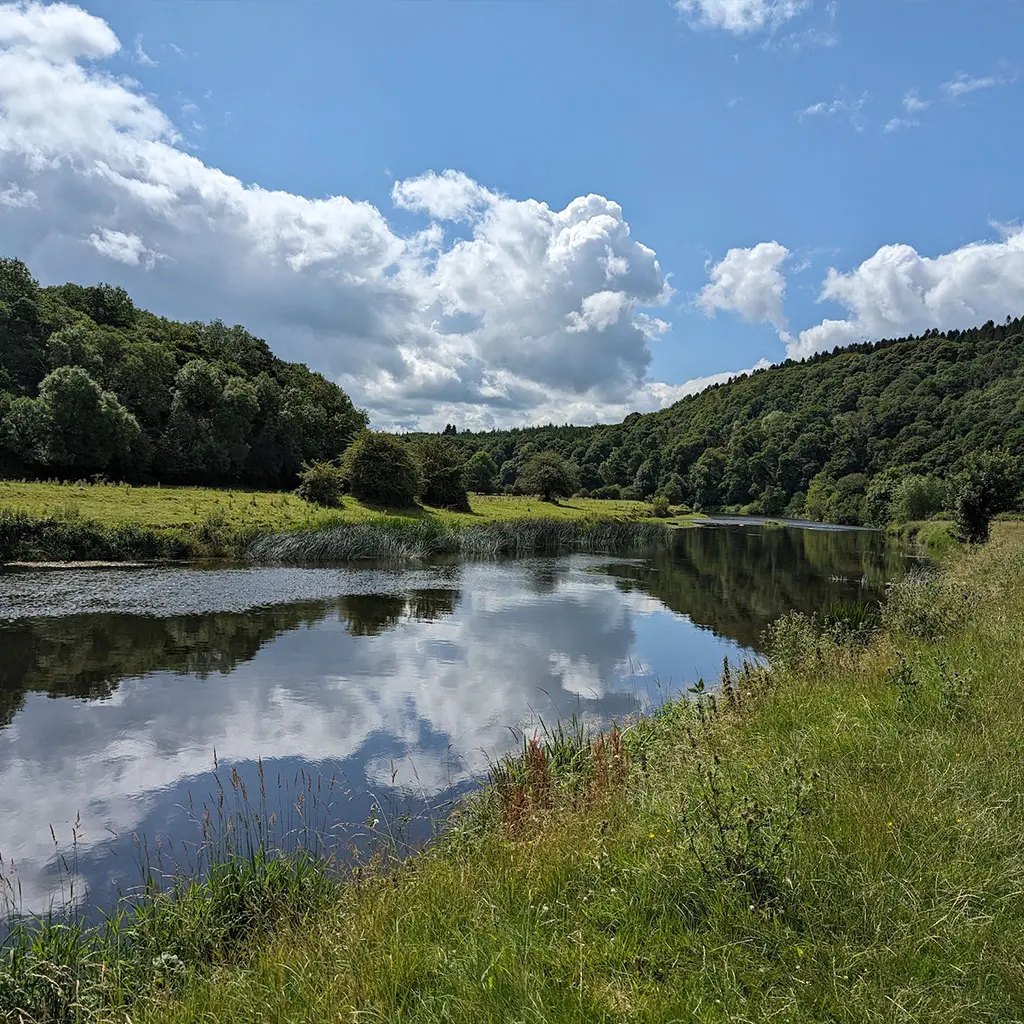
(352, 672)
(736, 580)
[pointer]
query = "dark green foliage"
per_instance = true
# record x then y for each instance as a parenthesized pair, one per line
(481, 473)
(380, 470)
(91, 384)
(442, 474)
(73, 427)
(548, 475)
(917, 406)
(24, 538)
(989, 486)
(660, 507)
(851, 616)
(321, 483)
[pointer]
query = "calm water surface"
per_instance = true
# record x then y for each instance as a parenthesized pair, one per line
(118, 687)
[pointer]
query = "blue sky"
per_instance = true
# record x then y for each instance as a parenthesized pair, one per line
(800, 134)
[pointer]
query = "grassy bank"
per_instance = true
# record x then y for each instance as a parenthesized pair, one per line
(50, 521)
(934, 537)
(837, 839)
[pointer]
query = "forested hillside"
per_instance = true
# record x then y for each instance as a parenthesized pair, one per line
(830, 437)
(89, 384)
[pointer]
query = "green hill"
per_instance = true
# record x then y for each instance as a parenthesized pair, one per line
(821, 437)
(89, 384)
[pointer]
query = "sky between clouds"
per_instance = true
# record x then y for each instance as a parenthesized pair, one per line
(449, 296)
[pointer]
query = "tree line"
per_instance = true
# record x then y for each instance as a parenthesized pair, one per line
(90, 385)
(858, 435)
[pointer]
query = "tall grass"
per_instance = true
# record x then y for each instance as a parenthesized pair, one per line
(401, 539)
(259, 862)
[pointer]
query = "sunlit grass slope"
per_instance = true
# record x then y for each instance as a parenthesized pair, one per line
(182, 507)
(82, 521)
(838, 839)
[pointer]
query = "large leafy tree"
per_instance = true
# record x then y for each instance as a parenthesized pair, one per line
(73, 427)
(442, 474)
(21, 328)
(379, 469)
(548, 475)
(481, 473)
(989, 486)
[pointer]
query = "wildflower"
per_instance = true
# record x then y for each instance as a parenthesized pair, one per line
(651, 835)
(888, 824)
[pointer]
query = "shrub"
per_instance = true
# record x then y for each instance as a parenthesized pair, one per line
(925, 605)
(379, 468)
(916, 497)
(674, 489)
(548, 475)
(442, 475)
(482, 473)
(660, 507)
(609, 492)
(322, 484)
(989, 486)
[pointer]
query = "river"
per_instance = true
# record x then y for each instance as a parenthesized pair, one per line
(120, 687)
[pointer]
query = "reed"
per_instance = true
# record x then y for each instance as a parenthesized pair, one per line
(398, 539)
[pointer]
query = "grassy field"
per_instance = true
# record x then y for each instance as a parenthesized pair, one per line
(173, 508)
(838, 839)
(109, 521)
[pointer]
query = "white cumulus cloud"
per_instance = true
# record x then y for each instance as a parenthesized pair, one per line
(749, 282)
(122, 247)
(527, 312)
(899, 292)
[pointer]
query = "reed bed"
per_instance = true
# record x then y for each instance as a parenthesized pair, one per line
(404, 540)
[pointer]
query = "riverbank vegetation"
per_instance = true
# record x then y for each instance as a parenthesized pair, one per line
(835, 838)
(52, 521)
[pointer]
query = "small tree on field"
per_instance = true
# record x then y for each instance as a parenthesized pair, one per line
(380, 469)
(548, 475)
(481, 473)
(989, 486)
(442, 475)
(322, 484)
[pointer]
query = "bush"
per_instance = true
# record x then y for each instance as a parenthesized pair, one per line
(379, 468)
(548, 475)
(674, 489)
(481, 473)
(660, 507)
(611, 492)
(321, 483)
(442, 475)
(989, 486)
(915, 498)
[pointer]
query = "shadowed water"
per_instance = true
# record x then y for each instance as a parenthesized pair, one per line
(118, 686)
